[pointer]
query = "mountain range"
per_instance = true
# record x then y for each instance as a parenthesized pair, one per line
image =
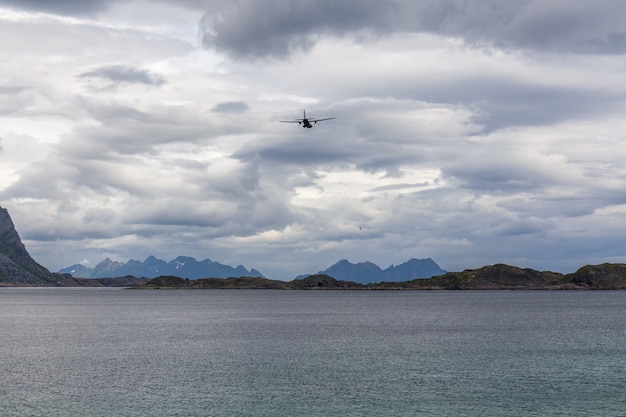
(367, 272)
(17, 268)
(182, 266)
(190, 268)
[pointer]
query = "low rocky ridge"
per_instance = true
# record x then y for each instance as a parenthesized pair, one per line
(492, 277)
(500, 276)
(318, 281)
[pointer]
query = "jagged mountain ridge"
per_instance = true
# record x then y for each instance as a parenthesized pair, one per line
(367, 272)
(182, 266)
(188, 267)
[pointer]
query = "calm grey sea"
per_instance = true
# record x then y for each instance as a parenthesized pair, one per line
(115, 352)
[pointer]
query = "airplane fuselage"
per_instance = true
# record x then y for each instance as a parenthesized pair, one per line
(306, 122)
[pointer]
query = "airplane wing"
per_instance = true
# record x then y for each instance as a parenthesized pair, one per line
(320, 120)
(291, 121)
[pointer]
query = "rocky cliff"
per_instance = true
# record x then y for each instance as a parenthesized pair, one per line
(17, 268)
(16, 265)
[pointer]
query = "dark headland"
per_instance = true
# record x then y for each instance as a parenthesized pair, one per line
(19, 269)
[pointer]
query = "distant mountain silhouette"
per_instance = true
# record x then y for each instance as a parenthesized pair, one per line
(182, 266)
(412, 269)
(367, 272)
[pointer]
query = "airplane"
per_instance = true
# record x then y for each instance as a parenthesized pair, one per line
(306, 122)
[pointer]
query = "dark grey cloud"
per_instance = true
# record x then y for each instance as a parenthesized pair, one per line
(308, 153)
(298, 152)
(231, 107)
(122, 74)
(276, 28)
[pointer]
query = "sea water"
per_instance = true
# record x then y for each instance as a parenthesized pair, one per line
(119, 352)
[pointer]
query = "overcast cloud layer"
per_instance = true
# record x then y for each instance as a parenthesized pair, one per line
(472, 132)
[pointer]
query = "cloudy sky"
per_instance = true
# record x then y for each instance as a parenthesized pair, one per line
(473, 132)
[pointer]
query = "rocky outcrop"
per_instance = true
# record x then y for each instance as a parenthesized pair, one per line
(16, 265)
(490, 277)
(323, 281)
(601, 277)
(500, 276)
(17, 268)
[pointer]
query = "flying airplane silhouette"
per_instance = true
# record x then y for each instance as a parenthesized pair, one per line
(306, 122)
